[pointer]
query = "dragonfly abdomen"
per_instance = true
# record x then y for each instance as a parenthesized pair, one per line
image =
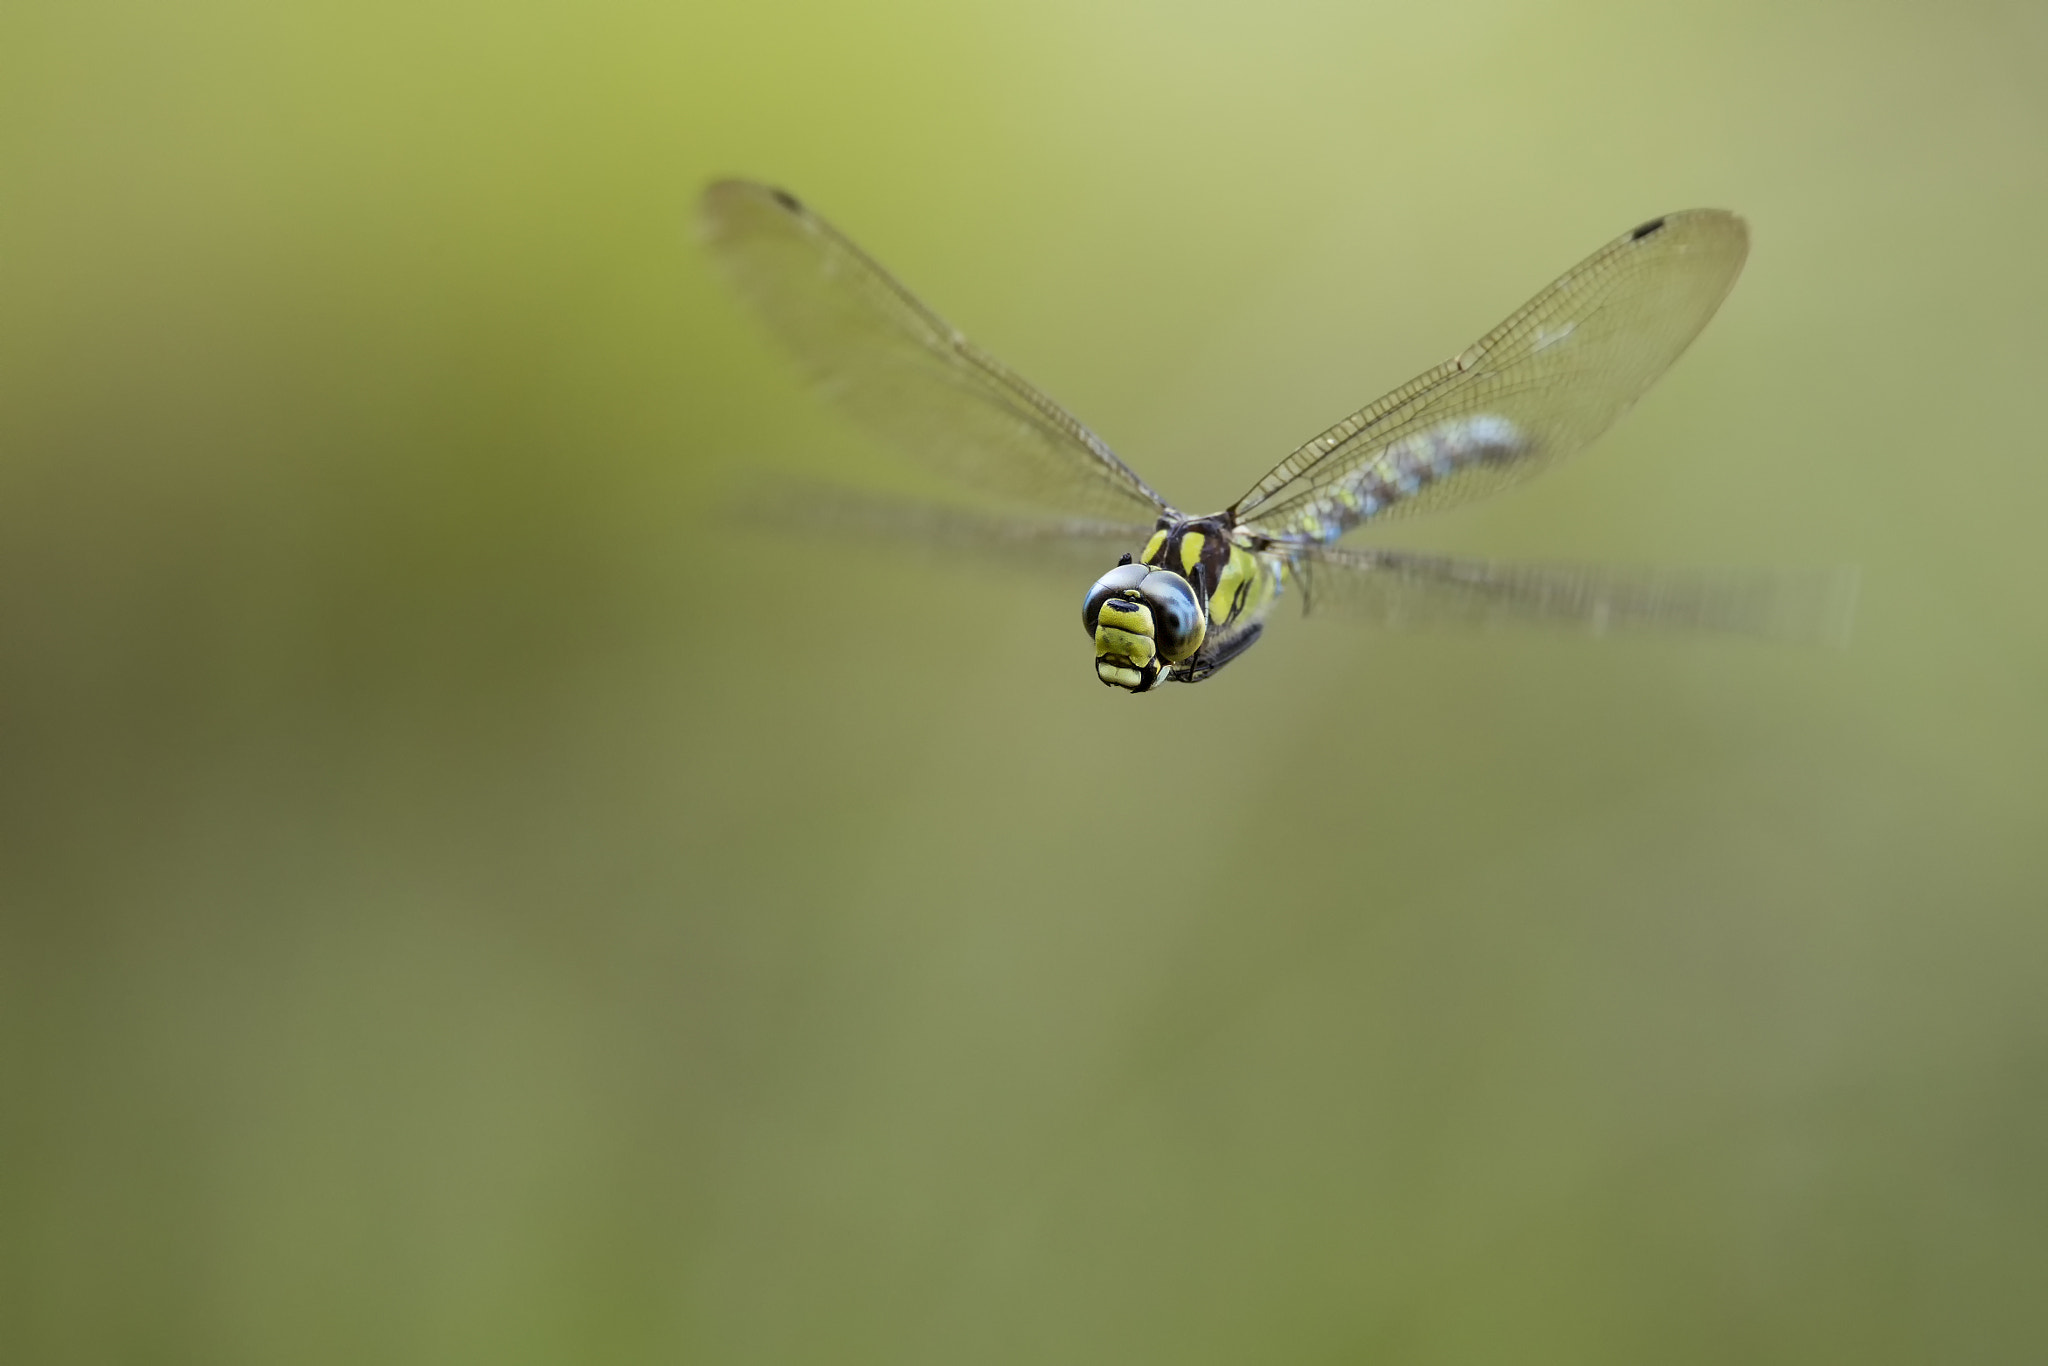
(1404, 468)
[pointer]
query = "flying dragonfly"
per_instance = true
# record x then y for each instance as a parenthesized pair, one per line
(1192, 593)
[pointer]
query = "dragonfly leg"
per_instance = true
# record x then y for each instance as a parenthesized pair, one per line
(1206, 663)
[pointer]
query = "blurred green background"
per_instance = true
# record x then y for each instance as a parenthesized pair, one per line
(459, 907)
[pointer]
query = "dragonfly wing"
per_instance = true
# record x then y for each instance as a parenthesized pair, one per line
(1538, 387)
(903, 370)
(808, 510)
(1399, 588)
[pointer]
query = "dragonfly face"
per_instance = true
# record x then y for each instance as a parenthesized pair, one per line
(1144, 620)
(1539, 386)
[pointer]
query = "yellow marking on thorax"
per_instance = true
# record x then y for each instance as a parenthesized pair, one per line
(1236, 586)
(1223, 599)
(1153, 548)
(1190, 553)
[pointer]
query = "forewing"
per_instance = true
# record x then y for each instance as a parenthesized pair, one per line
(1403, 589)
(1538, 387)
(904, 371)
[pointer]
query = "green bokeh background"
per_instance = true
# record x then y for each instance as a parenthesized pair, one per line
(457, 908)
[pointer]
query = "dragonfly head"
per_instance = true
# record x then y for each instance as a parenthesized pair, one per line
(1143, 619)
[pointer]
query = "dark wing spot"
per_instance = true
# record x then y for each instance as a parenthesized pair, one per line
(1646, 229)
(789, 201)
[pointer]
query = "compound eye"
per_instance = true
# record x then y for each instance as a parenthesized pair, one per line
(1178, 623)
(1116, 582)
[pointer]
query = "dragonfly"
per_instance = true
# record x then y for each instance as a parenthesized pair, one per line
(1189, 594)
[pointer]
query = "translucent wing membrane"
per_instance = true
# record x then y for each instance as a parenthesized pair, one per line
(1539, 386)
(1402, 589)
(903, 370)
(805, 509)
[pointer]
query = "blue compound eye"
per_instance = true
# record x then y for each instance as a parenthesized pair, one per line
(1113, 584)
(1178, 622)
